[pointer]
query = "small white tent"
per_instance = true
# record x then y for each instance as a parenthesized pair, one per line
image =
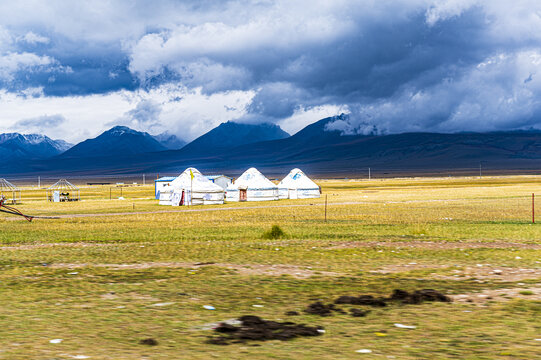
(296, 185)
(196, 191)
(252, 186)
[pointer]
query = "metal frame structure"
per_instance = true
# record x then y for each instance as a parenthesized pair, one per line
(67, 191)
(7, 189)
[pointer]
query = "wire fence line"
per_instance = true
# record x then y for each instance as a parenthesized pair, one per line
(511, 208)
(47, 180)
(367, 173)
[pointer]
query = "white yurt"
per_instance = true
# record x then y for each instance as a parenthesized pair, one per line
(196, 191)
(252, 186)
(296, 185)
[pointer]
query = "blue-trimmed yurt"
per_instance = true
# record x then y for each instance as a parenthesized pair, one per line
(296, 185)
(252, 186)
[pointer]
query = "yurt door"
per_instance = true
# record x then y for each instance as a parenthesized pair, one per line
(293, 194)
(182, 199)
(243, 196)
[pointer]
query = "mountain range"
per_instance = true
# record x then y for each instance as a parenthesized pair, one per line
(118, 140)
(231, 148)
(230, 134)
(15, 146)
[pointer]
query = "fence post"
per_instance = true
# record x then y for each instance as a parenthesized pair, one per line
(533, 208)
(325, 207)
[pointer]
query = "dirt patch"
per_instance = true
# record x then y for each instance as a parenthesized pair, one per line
(433, 245)
(488, 272)
(480, 272)
(298, 272)
(109, 296)
(418, 296)
(402, 296)
(50, 245)
(361, 300)
(253, 328)
(415, 297)
(318, 308)
(358, 312)
(278, 270)
(533, 293)
(143, 297)
(398, 268)
(149, 341)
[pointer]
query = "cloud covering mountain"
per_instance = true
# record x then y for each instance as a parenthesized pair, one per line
(185, 67)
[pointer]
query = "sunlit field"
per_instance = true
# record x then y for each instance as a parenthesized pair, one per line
(104, 273)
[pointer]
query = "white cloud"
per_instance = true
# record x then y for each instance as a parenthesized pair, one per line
(403, 65)
(33, 38)
(445, 9)
(490, 96)
(186, 113)
(6, 40)
(11, 63)
(194, 51)
(39, 124)
(303, 117)
(211, 76)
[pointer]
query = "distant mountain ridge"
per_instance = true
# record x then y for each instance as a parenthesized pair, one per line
(119, 141)
(15, 146)
(327, 150)
(170, 141)
(231, 134)
(315, 149)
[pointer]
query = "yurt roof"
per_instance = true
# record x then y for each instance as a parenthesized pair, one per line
(6, 185)
(296, 179)
(165, 179)
(199, 182)
(212, 177)
(253, 179)
(63, 184)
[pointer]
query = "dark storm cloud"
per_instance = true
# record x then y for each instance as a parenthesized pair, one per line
(62, 66)
(401, 65)
(397, 65)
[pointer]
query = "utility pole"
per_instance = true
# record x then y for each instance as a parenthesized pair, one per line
(144, 179)
(369, 176)
(39, 182)
(480, 171)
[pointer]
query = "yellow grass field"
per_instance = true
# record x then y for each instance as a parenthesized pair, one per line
(103, 273)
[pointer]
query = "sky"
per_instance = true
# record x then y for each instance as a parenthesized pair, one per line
(72, 69)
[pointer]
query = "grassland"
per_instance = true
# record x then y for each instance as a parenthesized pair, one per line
(108, 273)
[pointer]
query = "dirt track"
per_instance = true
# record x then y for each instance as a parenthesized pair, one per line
(229, 208)
(433, 245)
(71, 216)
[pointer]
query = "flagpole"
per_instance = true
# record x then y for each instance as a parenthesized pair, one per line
(191, 186)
